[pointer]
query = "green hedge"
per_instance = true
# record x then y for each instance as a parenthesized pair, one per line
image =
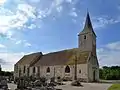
(110, 73)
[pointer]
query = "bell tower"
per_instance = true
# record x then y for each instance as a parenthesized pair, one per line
(87, 37)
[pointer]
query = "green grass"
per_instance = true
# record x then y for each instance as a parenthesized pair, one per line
(114, 87)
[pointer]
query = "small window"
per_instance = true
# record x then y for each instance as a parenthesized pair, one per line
(48, 70)
(85, 37)
(33, 69)
(79, 71)
(67, 69)
(24, 69)
(28, 70)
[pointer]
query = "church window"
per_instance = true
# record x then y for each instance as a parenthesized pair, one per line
(24, 69)
(48, 70)
(85, 37)
(67, 69)
(28, 70)
(38, 68)
(79, 71)
(33, 69)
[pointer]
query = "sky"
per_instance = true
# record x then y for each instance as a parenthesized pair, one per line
(28, 26)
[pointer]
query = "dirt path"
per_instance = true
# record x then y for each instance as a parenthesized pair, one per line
(87, 86)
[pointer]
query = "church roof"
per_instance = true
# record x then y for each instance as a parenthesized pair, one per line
(63, 57)
(30, 59)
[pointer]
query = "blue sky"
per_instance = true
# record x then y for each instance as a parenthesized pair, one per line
(28, 26)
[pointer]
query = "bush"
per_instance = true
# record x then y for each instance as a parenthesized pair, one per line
(110, 73)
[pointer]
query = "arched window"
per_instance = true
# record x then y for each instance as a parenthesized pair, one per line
(28, 71)
(33, 69)
(24, 69)
(48, 70)
(67, 69)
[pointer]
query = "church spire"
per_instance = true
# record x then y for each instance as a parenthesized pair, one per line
(88, 23)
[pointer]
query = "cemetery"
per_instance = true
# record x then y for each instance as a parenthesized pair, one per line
(30, 83)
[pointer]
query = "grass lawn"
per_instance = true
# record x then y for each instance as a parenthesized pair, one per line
(114, 87)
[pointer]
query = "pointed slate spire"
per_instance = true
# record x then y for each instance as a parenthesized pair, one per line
(88, 23)
(88, 26)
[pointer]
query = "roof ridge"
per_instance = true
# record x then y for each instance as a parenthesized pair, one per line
(59, 51)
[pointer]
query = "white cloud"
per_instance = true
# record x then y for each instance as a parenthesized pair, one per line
(109, 54)
(109, 58)
(18, 42)
(58, 2)
(56, 5)
(2, 46)
(16, 19)
(59, 9)
(23, 42)
(74, 14)
(104, 21)
(10, 59)
(73, 9)
(27, 44)
(100, 50)
(27, 9)
(32, 26)
(114, 45)
(24, 11)
(2, 2)
(69, 1)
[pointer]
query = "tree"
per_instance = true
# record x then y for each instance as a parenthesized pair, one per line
(110, 73)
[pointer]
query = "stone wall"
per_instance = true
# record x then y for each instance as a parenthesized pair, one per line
(55, 71)
(59, 71)
(93, 68)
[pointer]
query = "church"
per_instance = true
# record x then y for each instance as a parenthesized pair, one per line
(80, 62)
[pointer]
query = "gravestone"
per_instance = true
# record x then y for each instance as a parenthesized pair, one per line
(3, 83)
(52, 82)
(21, 84)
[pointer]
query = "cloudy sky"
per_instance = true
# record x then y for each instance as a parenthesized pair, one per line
(49, 25)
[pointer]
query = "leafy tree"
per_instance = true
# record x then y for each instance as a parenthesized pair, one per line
(110, 73)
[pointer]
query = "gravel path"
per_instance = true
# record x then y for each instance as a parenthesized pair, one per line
(86, 86)
(12, 86)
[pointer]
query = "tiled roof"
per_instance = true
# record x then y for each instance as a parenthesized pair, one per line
(63, 57)
(30, 59)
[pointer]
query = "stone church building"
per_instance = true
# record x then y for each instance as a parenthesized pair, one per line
(62, 63)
